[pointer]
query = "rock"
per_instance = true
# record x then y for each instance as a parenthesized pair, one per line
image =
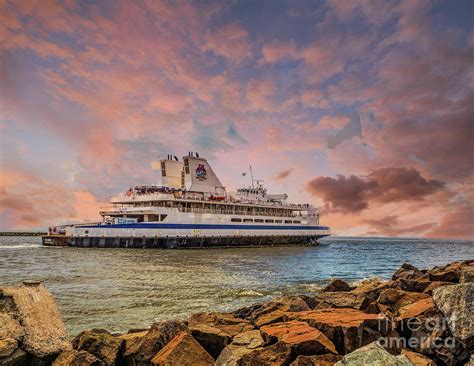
(467, 274)
(276, 316)
(183, 350)
(77, 358)
(373, 354)
(392, 299)
(242, 344)
(341, 300)
(408, 272)
(214, 331)
(10, 327)
(302, 338)
(284, 304)
(433, 285)
(275, 355)
(132, 339)
(345, 327)
(327, 359)
(418, 285)
(44, 332)
(417, 359)
(18, 358)
(370, 289)
(337, 285)
(7, 347)
(448, 273)
(101, 344)
(141, 350)
(213, 339)
(422, 307)
(456, 304)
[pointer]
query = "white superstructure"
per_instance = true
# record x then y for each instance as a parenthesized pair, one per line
(192, 208)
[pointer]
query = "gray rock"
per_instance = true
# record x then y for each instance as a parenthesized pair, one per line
(373, 354)
(456, 304)
(44, 332)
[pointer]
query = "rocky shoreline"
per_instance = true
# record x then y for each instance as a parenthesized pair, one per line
(419, 317)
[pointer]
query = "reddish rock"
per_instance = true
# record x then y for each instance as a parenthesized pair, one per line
(421, 307)
(337, 285)
(275, 355)
(276, 316)
(101, 344)
(214, 331)
(392, 299)
(132, 340)
(302, 338)
(408, 272)
(327, 359)
(417, 359)
(284, 304)
(434, 285)
(141, 350)
(77, 358)
(345, 327)
(418, 285)
(183, 350)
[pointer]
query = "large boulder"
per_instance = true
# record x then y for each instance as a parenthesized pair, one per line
(132, 339)
(347, 328)
(327, 359)
(275, 355)
(456, 304)
(77, 358)
(43, 332)
(214, 331)
(337, 285)
(371, 288)
(447, 273)
(141, 350)
(434, 285)
(182, 350)
(467, 274)
(302, 338)
(101, 344)
(242, 344)
(408, 272)
(373, 354)
(392, 299)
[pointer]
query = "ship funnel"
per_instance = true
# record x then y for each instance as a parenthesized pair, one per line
(200, 177)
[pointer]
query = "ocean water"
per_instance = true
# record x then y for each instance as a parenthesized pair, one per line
(119, 289)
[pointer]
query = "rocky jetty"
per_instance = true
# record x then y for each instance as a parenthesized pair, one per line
(419, 317)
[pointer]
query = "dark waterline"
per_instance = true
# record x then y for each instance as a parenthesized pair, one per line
(119, 289)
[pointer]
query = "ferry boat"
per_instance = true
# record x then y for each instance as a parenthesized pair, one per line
(192, 209)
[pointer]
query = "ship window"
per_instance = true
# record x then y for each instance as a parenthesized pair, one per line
(277, 221)
(186, 166)
(162, 217)
(287, 221)
(269, 221)
(258, 220)
(296, 222)
(163, 169)
(235, 220)
(248, 220)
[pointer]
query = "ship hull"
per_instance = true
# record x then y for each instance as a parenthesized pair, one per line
(180, 242)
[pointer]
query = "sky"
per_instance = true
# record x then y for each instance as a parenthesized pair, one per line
(365, 109)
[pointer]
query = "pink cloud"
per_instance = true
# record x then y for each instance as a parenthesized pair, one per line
(230, 41)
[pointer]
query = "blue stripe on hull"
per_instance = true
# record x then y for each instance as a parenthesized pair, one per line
(142, 225)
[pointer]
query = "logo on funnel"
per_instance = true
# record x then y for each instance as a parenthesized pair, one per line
(201, 172)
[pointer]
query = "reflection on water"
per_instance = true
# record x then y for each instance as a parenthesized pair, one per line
(129, 288)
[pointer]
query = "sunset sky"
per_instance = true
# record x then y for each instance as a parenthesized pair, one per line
(365, 109)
